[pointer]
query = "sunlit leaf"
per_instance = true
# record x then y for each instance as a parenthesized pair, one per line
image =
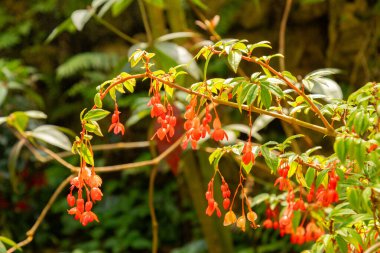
(80, 18)
(234, 59)
(96, 114)
(51, 135)
(270, 159)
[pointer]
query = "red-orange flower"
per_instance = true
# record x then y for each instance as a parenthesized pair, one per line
(218, 133)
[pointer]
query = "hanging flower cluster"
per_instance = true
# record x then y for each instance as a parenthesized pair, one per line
(164, 115)
(198, 127)
(90, 182)
(116, 126)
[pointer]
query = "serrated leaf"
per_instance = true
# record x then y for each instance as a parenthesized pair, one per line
(309, 176)
(51, 135)
(321, 176)
(234, 59)
(265, 96)
(96, 114)
(252, 94)
(239, 97)
(340, 148)
(360, 152)
(270, 159)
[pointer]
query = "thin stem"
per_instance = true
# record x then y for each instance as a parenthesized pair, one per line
(41, 217)
(153, 174)
(307, 99)
(282, 33)
(283, 117)
(58, 158)
(115, 30)
(100, 147)
(314, 108)
(145, 21)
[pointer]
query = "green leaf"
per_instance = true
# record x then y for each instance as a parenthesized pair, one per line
(266, 97)
(18, 120)
(80, 18)
(9, 242)
(36, 114)
(293, 167)
(255, 76)
(136, 117)
(169, 90)
(234, 58)
(360, 152)
(214, 155)
(3, 93)
(247, 167)
(93, 127)
(258, 199)
(98, 101)
(96, 114)
(174, 54)
(119, 6)
(340, 148)
(136, 57)
(270, 159)
(252, 94)
(309, 177)
(66, 25)
(275, 90)
(358, 122)
(239, 97)
(321, 176)
(12, 162)
(157, 3)
(300, 177)
(2, 248)
(296, 219)
(341, 243)
(86, 154)
(199, 4)
(51, 135)
(266, 44)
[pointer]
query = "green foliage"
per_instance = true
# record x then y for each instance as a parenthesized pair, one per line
(86, 61)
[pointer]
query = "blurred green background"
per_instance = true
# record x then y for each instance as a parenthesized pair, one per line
(47, 65)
